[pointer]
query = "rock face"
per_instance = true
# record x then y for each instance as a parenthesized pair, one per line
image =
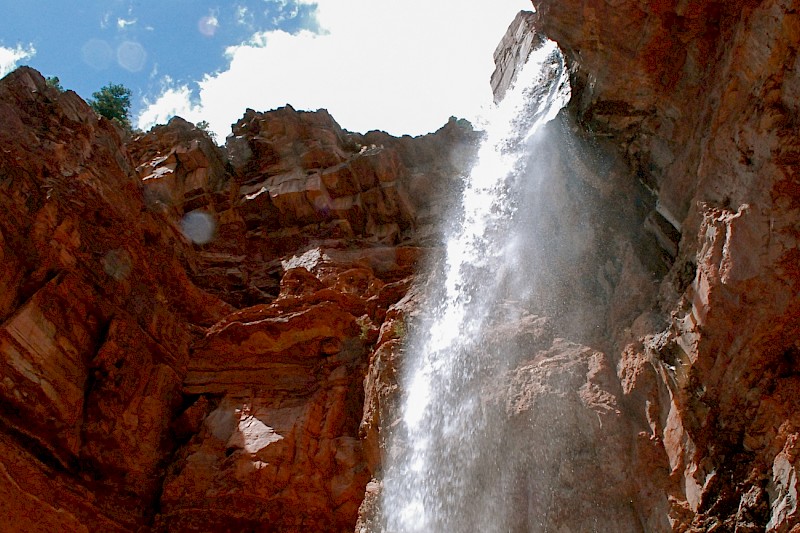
(96, 313)
(196, 338)
(186, 329)
(700, 101)
(293, 179)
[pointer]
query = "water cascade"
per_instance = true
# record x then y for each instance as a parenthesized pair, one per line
(441, 472)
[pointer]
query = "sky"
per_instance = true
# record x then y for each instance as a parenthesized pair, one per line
(402, 66)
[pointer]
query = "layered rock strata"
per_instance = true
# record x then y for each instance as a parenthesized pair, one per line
(96, 319)
(186, 329)
(196, 338)
(289, 179)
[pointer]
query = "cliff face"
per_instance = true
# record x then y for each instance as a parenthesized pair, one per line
(185, 330)
(700, 99)
(95, 319)
(195, 338)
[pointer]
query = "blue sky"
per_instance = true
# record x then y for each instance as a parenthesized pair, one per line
(403, 66)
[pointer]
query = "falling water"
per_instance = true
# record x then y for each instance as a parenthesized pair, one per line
(436, 478)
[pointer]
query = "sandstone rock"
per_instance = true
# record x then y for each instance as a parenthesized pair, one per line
(282, 444)
(97, 312)
(295, 178)
(130, 398)
(695, 97)
(512, 52)
(152, 379)
(116, 365)
(566, 431)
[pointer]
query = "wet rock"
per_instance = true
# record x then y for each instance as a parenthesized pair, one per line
(694, 97)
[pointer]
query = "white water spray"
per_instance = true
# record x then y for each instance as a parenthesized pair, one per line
(436, 478)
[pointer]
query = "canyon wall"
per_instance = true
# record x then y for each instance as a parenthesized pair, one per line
(196, 338)
(186, 329)
(699, 99)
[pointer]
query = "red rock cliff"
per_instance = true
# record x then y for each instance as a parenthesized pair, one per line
(700, 99)
(206, 339)
(185, 331)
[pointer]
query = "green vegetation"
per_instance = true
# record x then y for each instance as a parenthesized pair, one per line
(113, 102)
(54, 82)
(205, 126)
(399, 329)
(365, 324)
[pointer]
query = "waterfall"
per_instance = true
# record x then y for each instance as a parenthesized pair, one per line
(439, 475)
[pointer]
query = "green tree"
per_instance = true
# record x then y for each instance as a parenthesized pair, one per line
(53, 81)
(206, 127)
(113, 102)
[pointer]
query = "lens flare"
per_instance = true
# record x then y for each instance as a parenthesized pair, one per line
(131, 56)
(198, 227)
(208, 25)
(97, 53)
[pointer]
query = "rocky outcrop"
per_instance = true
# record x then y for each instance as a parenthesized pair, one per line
(281, 429)
(96, 318)
(199, 338)
(186, 329)
(293, 179)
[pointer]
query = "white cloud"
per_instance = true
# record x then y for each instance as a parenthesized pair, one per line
(404, 66)
(243, 16)
(9, 57)
(124, 23)
(174, 101)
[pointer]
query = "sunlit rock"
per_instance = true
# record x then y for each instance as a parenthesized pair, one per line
(244, 371)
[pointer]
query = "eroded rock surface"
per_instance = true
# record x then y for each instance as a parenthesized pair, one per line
(700, 100)
(198, 338)
(96, 314)
(186, 329)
